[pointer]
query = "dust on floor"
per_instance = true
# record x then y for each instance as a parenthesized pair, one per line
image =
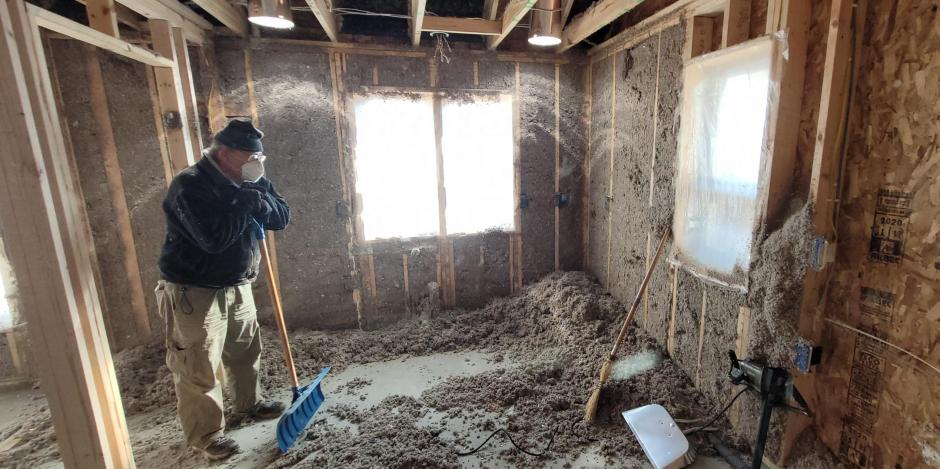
(416, 394)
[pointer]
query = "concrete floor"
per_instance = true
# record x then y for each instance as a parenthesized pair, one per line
(407, 376)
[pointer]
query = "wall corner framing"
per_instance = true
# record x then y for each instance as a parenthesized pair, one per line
(42, 217)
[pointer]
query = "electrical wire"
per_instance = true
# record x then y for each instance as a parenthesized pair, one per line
(342, 11)
(505, 432)
(692, 431)
(441, 44)
(358, 12)
(688, 420)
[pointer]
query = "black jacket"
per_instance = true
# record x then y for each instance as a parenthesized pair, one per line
(210, 240)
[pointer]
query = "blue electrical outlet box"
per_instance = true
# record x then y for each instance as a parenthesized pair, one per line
(806, 356)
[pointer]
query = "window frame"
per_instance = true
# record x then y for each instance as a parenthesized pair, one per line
(778, 158)
(352, 97)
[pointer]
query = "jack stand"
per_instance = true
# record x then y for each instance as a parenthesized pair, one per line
(775, 388)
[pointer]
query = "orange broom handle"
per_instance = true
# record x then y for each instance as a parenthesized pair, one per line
(639, 295)
(278, 312)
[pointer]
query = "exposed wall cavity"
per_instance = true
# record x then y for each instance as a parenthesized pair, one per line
(601, 121)
(330, 278)
(141, 172)
(634, 126)
(293, 96)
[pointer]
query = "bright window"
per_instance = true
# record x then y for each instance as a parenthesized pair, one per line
(396, 166)
(6, 317)
(722, 148)
(478, 178)
(396, 163)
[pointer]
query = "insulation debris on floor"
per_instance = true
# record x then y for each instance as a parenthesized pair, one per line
(419, 392)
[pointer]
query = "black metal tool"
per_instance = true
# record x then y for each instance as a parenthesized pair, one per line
(776, 389)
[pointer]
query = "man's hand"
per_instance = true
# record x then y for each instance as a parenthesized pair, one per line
(253, 201)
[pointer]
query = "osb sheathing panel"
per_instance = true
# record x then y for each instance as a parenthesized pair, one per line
(571, 165)
(878, 406)
(293, 93)
(600, 136)
(537, 146)
(886, 279)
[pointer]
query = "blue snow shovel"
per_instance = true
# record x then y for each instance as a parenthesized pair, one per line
(307, 399)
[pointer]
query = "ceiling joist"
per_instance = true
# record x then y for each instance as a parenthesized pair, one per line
(565, 11)
(232, 17)
(416, 11)
(326, 18)
(125, 15)
(514, 12)
(440, 24)
(53, 22)
(597, 16)
(193, 25)
(102, 16)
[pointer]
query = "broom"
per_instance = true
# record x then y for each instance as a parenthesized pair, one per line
(591, 409)
(306, 399)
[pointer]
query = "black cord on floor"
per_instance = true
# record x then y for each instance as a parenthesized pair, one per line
(716, 417)
(505, 432)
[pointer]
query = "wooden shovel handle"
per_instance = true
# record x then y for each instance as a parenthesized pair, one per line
(639, 295)
(279, 313)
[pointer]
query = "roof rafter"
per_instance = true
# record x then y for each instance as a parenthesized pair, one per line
(326, 18)
(514, 12)
(416, 10)
(231, 16)
(566, 11)
(445, 24)
(194, 26)
(598, 15)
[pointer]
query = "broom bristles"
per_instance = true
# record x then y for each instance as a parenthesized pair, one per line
(590, 410)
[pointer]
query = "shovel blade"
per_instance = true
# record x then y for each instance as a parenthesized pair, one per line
(293, 422)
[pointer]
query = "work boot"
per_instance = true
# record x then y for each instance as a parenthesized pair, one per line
(263, 410)
(267, 409)
(221, 447)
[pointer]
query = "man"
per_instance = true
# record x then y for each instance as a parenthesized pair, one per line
(209, 259)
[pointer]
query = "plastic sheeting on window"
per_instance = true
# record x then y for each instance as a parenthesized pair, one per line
(727, 99)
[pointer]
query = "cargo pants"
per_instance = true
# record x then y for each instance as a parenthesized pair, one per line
(206, 327)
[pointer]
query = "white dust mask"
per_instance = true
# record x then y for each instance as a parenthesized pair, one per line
(252, 171)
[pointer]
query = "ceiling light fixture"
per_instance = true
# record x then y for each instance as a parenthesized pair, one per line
(270, 13)
(545, 27)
